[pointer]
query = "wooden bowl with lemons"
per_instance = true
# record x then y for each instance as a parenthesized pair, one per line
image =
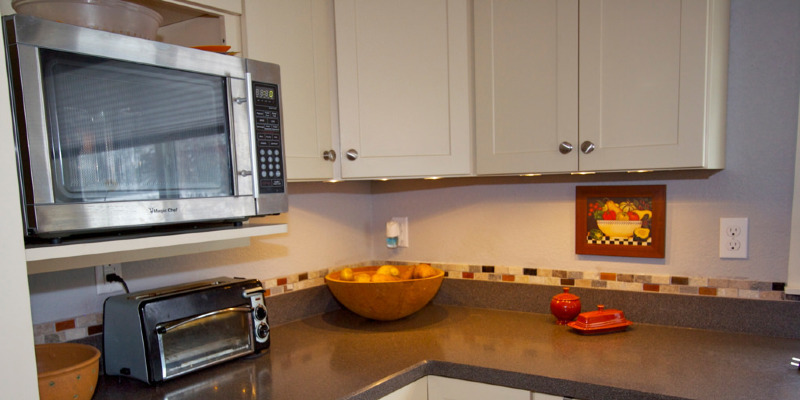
(387, 292)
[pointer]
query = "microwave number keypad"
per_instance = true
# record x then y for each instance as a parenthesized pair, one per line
(270, 168)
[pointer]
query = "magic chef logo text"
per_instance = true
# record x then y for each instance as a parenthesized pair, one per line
(162, 210)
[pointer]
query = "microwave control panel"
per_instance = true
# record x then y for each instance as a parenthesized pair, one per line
(270, 166)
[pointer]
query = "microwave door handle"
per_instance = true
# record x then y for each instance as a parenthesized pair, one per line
(251, 116)
(168, 327)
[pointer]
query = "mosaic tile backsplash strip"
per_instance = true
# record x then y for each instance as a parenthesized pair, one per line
(88, 325)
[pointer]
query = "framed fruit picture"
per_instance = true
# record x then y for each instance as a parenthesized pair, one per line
(627, 221)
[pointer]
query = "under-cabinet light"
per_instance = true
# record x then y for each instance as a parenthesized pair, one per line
(583, 173)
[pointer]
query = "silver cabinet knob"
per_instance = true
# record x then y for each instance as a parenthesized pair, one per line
(587, 147)
(565, 147)
(351, 154)
(245, 172)
(240, 100)
(329, 155)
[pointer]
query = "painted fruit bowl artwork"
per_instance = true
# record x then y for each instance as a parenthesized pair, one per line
(618, 229)
(624, 220)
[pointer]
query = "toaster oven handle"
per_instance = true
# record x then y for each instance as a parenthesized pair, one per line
(168, 327)
(253, 291)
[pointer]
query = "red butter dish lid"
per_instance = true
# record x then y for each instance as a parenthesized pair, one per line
(600, 321)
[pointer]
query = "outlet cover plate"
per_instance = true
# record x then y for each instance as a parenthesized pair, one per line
(733, 238)
(104, 286)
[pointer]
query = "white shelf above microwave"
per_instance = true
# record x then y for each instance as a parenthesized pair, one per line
(79, 255)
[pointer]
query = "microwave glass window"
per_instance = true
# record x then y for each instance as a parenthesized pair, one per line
(205, 341)
(125, 131)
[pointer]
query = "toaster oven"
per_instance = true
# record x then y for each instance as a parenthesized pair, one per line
(159, 334)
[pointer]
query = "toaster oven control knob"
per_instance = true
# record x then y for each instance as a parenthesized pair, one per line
(260, 313)
(263, 330)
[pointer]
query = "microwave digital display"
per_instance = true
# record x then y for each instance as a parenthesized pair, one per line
(262, 93)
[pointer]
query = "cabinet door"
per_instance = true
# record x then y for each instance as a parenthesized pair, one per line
(526, 85)
(298, 35)
(417, 390)
(404, 87)
(652, 83)
(441, 388)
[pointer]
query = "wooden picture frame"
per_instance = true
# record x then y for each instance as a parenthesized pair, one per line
(638, 232)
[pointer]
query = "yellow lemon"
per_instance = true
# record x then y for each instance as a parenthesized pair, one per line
(346, 274)
(422, 271)
(388, 270)
(406, 272)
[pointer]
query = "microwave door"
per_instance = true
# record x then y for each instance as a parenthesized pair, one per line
(124, 131)
(144, 143)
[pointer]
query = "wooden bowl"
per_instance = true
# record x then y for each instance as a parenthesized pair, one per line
(384, 301)
(67, 370)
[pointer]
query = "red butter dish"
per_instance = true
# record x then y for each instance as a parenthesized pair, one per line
(600, 321)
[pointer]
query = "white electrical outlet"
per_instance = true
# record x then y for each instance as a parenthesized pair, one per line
(733, 238)
(104, 286)
(402, 239)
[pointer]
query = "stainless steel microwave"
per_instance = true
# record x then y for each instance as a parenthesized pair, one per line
(116, 132)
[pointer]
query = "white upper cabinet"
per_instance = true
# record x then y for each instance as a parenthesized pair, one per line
(649, 91)
(298, 35)
(653, 83)
(404, 87)
(526, 85)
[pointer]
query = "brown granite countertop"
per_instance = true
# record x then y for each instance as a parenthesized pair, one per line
(339, 355)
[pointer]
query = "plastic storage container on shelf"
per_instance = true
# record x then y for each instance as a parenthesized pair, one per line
(115, 16)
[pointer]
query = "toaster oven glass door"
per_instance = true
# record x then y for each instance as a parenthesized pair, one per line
(193, 343)
(126, 131)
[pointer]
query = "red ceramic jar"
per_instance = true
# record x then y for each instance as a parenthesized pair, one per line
(565, 306)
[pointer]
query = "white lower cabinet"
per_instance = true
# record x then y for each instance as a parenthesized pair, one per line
(440, 388)
(417, 390)
(434, 387)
